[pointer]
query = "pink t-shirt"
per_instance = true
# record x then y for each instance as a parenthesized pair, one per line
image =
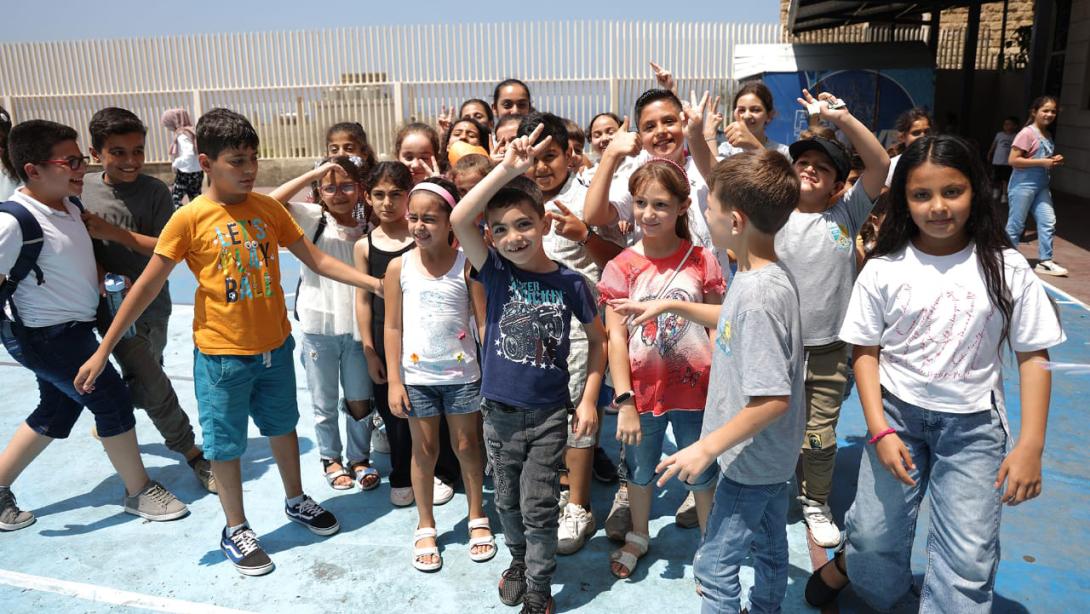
(1028, 140)
(670, 357)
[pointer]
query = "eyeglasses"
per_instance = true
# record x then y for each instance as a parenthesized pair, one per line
(345, 188)
(72, 162)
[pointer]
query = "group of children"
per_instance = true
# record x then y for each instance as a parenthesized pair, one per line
(459, 293)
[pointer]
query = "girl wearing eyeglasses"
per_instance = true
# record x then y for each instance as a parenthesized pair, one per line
(331, 356)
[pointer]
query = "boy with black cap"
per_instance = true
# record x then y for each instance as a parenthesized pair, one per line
(816, 245)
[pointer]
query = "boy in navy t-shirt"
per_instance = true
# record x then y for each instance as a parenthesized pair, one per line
(531, 302)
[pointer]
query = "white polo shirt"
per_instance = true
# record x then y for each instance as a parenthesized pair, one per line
(70, 291)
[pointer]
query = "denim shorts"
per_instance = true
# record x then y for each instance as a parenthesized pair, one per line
(232, 388)
(643, 459)
(450, 399)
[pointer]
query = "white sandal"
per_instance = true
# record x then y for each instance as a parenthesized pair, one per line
(625, 558)
(480, 557)
(420, 534)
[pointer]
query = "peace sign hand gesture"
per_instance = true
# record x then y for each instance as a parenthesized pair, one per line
(444, 120)
(521, 153)
(693, 115)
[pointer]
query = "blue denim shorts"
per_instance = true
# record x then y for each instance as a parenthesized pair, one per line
(232, 388)
(450, 399)
(643, 459)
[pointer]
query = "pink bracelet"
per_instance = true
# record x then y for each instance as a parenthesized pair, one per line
(874, 440)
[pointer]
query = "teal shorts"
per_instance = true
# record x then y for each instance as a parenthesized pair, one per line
(232, 388)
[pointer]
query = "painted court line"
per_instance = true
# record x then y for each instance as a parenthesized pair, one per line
(102, 594)
(1068, 299)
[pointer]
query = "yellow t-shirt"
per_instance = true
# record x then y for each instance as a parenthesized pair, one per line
(233, 252)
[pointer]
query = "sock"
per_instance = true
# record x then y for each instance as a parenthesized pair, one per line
(294, 501)
(231, 530)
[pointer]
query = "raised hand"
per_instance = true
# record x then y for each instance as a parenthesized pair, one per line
(521, 152)
(567, 224)
(432, 169)
(496, 148)
(444, 120)
(822, 106)
(738, 135)
(624, 142)
(664, 78)
(692, 115)
(712, 120)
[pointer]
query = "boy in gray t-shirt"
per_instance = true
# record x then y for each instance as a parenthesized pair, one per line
(817, 244)
(755, 411)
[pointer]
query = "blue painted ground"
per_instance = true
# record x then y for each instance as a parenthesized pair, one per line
(83, 537)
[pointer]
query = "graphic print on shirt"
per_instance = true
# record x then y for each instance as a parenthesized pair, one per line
(532, 324)
(664, 332)
(943, 329)
(722, 337)
(842, 240)
(244, 260)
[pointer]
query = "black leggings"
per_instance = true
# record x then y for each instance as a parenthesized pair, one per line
(447, 468)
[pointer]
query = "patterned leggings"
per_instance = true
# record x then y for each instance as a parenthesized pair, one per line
(186, 184)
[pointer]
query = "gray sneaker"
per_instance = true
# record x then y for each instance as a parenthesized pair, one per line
(155, 503)
(11, 517)
(203, 470)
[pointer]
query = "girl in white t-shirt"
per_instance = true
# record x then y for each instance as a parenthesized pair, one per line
(183, 154)
(752, 111)
(930, 317)
(332, 357)
(431, 354)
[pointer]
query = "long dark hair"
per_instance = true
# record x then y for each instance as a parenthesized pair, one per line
(984, 227)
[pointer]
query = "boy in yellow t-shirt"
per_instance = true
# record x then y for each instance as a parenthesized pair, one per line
(229, 238)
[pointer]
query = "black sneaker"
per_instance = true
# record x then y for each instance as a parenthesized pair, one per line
(242, 549)
(313, 516)
(538, 603)
(513, 583)
(604, 469)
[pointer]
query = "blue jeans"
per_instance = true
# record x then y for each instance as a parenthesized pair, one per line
(443, 400)
(1031, 196)
(744, 520)
(957, 457)
(643, 459)
(333, 362)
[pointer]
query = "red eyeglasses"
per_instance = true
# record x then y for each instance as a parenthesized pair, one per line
(72, 162)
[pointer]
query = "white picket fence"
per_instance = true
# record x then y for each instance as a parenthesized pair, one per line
(293, 84)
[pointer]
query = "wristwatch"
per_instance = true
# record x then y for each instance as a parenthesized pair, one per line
(621, 398)
(590, 233)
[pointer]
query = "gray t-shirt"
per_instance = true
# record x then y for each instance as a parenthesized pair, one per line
(143, 206)
(758, 352)
(819, 250)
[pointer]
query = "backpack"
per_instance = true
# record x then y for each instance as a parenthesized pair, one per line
(27, 261)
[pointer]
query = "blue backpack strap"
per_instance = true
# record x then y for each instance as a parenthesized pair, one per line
(27, 261)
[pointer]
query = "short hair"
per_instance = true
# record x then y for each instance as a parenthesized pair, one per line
(221, 129)
(762, 185)
(575, 133)
(112, 121)
(553, 126)
(32, 142)
(652, 96)
(520, 190)
(473, 163)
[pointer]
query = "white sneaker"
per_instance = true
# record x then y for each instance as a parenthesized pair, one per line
(402, 497)
(1048, 267)
(576, 527)
(819, 520)
(442, 493)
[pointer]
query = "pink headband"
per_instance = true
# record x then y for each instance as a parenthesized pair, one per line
(684, 175)
(434, 188)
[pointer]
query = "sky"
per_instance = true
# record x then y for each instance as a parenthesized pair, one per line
(81, 19)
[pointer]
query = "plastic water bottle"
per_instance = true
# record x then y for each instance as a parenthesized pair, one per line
(115, 293)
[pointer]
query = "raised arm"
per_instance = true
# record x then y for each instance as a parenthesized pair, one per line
(874, 156)
(596, 208)
(694, 113)
(291, 187)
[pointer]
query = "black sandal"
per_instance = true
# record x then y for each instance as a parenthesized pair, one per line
(820, 594)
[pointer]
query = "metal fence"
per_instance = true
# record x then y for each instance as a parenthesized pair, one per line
(293, 84)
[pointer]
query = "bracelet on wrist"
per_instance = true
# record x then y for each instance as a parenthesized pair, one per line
(876, 438)
(590, 233)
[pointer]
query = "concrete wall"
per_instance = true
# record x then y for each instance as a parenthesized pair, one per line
(1073, 129)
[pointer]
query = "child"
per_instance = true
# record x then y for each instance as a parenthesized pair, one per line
(584, 250)
(126, 211)
(477, 109)
(577, 139)
(506, 128)
(531, 300)
(428, 338)
(755, 411)
(511, 97)
(1032, 158)
(47, 322)
(753, 111)
(188, 175)
(601, 130)
(467, 130)
(416, 146)
(817, 246)
(350, 139)
(930, 317)
(332, 357)
(243, 356)
(911, 125)
(999, 154)
(388, 194)
(468, 172)
(9, 179)
(660, 369)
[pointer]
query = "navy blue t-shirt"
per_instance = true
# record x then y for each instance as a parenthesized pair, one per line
(526, 340)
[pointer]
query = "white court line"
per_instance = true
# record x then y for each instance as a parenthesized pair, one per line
(1071, 300)
(102, 594)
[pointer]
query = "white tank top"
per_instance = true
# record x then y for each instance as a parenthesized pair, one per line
(437, 343)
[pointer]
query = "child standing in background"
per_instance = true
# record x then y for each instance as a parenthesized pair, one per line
(183, 154)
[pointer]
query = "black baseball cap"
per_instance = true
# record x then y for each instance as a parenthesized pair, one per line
(836, 152)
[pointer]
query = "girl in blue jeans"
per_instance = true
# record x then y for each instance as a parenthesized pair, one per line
(1033, 155)
(930, 316)
(332, 357)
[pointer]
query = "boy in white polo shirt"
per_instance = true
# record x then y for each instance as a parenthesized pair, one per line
(48, 324)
